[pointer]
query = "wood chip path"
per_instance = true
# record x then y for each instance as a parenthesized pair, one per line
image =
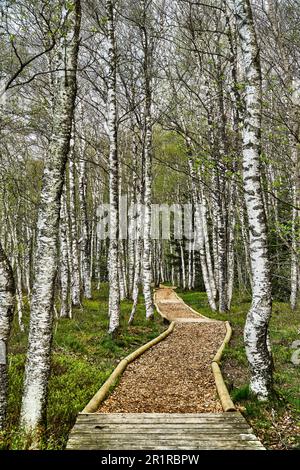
(166, 399)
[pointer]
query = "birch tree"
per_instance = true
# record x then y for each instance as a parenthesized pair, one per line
(37, 367)
(256, 327)
(114, 293)
(7, 299)
(147, 46)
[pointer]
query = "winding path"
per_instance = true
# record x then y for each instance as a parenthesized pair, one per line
(167, 399)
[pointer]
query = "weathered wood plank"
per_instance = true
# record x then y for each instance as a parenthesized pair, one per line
(201, 445)
(154, 431)
(163, 429)
(173, 436)
(162, 417)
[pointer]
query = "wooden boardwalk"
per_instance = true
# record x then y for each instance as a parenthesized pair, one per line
(162, 431)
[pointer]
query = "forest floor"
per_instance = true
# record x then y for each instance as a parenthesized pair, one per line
(276, 422)
(175, 376)
(84, 355)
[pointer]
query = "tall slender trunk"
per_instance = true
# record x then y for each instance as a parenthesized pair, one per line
(114, 293)
(7, 293)
(131, 222)
(85, 244)
(183, 270)
(38, 361)
(200, 239)
(66, 307)
(75, 277)
(194, 267)
(295, 248)
(172, 266)
(121, 274)
(190, 266)
(257, 322)
(18, 274)
(231, 240)
(207, 246)
(138, 256)
(147, 272)
(28, 261)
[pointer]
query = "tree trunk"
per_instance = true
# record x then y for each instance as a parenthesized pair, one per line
(295, 248)
(183, 271)
(85, 243)
(114, 294)
(147, 272)
(138, 255)
(200, 239)
(66, 307)
(256, 328)
(7, 293)
(38, 361)
(75, 276)
(207, 247)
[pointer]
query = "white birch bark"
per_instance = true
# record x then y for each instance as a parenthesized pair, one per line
(121, 274)
(207, 246)
(85, 242)
(190, 267)
(18, 274)
(28, 261)
(114, 294)
(66, 307)
(257, 322)
(183, 270)
(294, 254)
(7, 293)
(138, 256)
(75, 266)
(200, 239)
(172, 266)
(194, 266)
(147, 272)
(131, 221)
(295, 246)
(231, 240)
(38, 360)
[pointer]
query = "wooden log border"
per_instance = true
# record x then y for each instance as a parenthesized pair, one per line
(102, 393)
(226, 402)
(222, 390)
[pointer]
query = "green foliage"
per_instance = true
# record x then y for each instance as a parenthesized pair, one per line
(241, 393)
(83, 358)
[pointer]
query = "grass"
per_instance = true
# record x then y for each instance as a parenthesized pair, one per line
(277, 422)
(84, 355)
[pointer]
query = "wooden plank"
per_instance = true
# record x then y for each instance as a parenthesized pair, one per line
(158, 445)
(160, 436)
(187, 440)
(172, 417)
(166, 429)
(174, 422)
(154, 431)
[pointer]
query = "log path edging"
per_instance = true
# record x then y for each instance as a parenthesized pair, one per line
(222, 390)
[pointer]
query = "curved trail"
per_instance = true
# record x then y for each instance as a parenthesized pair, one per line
(166, 399)
(175, 375)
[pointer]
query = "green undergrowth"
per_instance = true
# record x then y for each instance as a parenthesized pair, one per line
(84, 355)
(277, 422)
